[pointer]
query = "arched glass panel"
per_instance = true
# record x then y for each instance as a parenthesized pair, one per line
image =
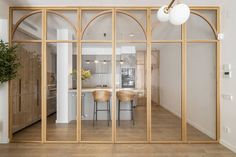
(129, 27)
(140, 15)
(61, 25)
(97, 25)
(198, 28)
(164, 30)
(30, 28)
(18, 14)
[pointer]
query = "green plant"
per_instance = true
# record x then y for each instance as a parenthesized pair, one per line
(85, 74)
(9, 62)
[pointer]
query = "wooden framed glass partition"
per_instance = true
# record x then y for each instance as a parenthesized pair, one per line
(122, 52)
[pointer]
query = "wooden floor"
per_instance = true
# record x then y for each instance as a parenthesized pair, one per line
(114, 150)
(165, 127)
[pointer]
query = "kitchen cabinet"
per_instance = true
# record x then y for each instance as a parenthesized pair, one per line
(26, 91)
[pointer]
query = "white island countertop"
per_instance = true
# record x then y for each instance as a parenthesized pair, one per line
(87, 90)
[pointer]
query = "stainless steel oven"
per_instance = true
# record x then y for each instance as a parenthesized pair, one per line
(128, 77)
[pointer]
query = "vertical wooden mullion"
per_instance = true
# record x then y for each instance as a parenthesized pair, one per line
(149, 73)
(218, 79)
(79, 52)
(113, 75)
(10, 108)
(183, 84)
(44, 76)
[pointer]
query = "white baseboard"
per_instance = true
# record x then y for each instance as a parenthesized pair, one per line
(229, 146)
(203, 130)
(4, 140)
(62, 121)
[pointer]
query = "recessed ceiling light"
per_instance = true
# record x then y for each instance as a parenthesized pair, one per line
(87, 62)
(131, 35)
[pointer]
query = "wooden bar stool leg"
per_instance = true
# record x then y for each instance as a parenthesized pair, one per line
(107, 113)
(119, 113)
(96, 111)
(132, 111)
(109, 110)
(93, 112)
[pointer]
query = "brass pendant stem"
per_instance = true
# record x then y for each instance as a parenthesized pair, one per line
(166, 10)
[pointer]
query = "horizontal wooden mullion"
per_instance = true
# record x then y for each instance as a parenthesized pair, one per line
(201, 41)
(96, 142)
(61, 41)
(61, 142)
(24, 141)
(166, 41)
(26, 41)
(96, 41)
(131, 41)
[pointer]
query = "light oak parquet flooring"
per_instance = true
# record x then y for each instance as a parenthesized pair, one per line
(165, 126)
(111, 150)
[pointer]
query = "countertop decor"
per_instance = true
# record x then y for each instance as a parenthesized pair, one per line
(85, 74)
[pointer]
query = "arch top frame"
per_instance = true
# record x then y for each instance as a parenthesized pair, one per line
(195, 11)
(105, 10)
(53, 11)
(119, 11)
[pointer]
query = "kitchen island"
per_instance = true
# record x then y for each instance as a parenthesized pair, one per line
(88, 103)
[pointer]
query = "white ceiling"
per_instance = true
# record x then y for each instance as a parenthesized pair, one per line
(107, 2)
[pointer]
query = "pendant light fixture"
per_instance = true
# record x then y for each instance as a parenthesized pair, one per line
(176, 15)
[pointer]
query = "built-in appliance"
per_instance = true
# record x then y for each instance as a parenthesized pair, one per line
(128, 77)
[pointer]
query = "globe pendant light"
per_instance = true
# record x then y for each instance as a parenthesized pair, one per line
(179, 14)
(162, 14)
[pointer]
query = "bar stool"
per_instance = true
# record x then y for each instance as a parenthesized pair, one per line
(101, 96)
(126, 96)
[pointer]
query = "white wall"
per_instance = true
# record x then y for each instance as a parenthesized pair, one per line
(201, 87)
(4, 87)
(201, 84)
(4, 4)
(228, 109)
(170, 77)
